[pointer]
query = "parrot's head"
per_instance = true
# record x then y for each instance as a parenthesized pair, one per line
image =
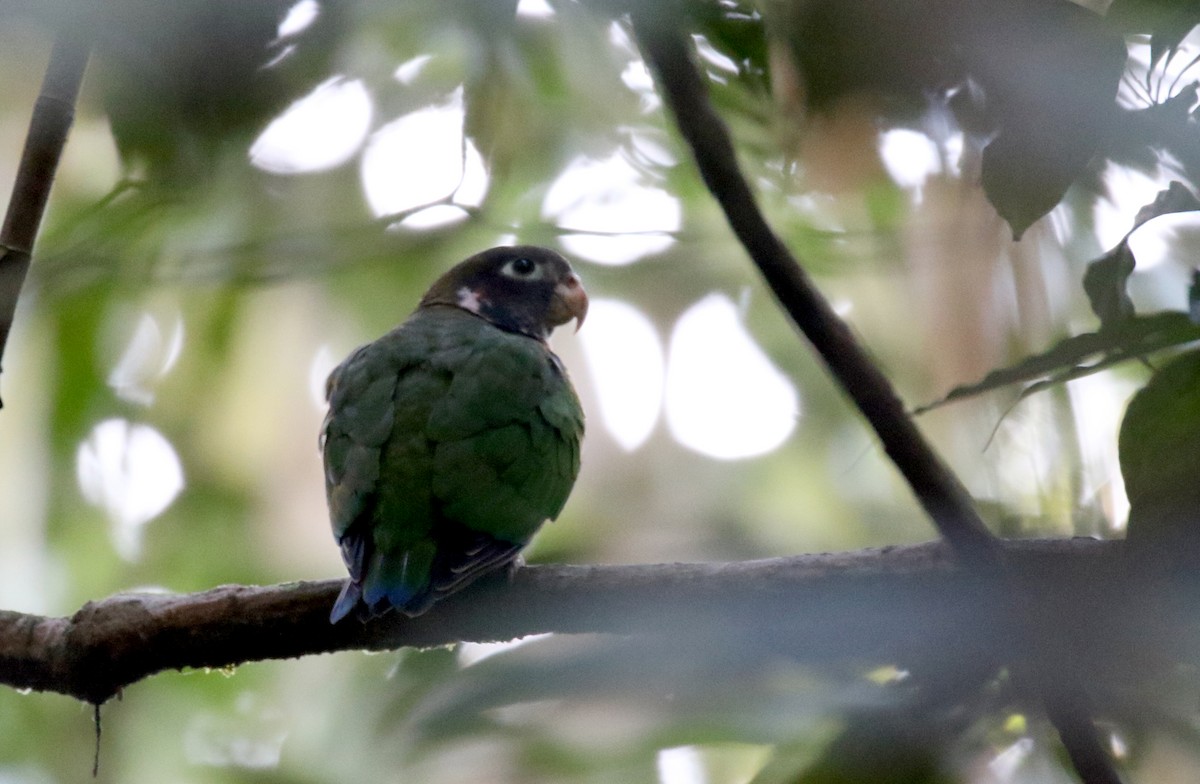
(524, 289)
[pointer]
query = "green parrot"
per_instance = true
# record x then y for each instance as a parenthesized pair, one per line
(452, 438)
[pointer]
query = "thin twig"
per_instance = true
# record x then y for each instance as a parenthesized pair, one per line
(52, 117)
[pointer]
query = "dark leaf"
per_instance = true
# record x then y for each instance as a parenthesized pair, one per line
(1166, 40)
(1167, 21)
(1106, 278)
(1105, 281)
(878, 47)
(183, 78)
(1140, 137)
(1023, 188)
(1176, 198)
(1133, 338)
(897, 746)
(1049, 72)
(1194, 297)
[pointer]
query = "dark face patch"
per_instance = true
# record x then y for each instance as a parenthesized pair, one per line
(514, 288)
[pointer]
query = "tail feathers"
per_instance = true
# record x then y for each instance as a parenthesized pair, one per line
(347, 600)
(414, 579)
(365, 606)
(378, 598)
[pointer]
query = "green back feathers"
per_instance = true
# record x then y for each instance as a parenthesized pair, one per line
(451, 439)
(444, 428)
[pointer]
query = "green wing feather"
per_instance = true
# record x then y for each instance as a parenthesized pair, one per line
(497, 465)
(448, 443)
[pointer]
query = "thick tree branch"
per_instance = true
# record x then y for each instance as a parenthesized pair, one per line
(891, 605)
(52, 117)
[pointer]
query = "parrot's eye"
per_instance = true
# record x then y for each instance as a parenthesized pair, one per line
(520, 268)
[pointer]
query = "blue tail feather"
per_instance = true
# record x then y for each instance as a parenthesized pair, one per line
(379, 598)
(347, 600)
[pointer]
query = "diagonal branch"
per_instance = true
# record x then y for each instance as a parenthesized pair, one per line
(52, 117)
(894, 605)
(936, 487)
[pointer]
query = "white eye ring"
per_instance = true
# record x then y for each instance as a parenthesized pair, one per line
(523, 269)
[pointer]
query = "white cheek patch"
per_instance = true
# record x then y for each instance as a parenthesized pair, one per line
(469, 299)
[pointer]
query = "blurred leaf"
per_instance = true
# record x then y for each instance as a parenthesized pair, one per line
(879, 47)
(1133, 338)
(183, 79)
(1105, 280)
(1170, 126)
(736, 30)
(918, 734)
(1051, 85)
(1167, 38)
(1167, 21)
(725, 689)
(884, 747)
(1041, 76)
(1194, 297)
(1175, 198)
(512, 76)
(1020, 189)
(1160, 461)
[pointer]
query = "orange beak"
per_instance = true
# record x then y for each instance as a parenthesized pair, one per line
(570, 302)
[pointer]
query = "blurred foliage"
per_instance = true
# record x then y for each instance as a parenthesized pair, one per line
(239, 287)
(1083, 355)
(1037, 79)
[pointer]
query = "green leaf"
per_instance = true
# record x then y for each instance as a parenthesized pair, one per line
(1160, 461)
(1135, 337)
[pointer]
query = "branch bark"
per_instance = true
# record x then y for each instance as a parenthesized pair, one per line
(890, 605)
(53, 115)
